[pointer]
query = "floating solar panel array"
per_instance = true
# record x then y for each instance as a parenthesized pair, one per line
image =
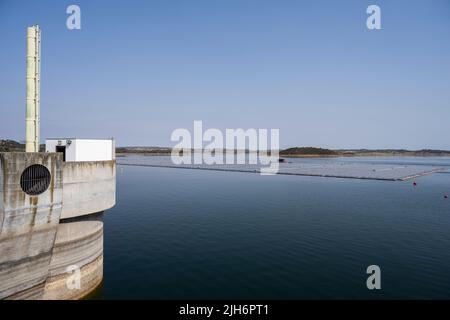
(322, 167)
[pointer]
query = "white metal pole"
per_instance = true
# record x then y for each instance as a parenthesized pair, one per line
(32, 113)
(38, 87)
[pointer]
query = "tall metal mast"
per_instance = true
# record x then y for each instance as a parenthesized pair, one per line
(33, 88)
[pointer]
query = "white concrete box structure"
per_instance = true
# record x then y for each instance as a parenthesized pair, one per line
(76, 150)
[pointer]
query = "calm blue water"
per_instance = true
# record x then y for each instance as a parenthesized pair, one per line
(188, 234)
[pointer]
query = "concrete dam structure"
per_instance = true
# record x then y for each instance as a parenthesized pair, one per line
(51, 228)
(51, 206)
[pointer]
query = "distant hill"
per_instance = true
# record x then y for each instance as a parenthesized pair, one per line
(11, 146)
(311, 151)
(14, 146)
(394, 153)
(149, 150)
(308, 151)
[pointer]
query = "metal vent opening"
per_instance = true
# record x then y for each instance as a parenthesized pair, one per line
(35, 179)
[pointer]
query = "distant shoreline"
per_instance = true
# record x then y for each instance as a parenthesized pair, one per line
(296, 152)
(346, 155)
(368, 154)
(301, 152)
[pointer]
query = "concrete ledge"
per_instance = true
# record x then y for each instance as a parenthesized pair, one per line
(88, 187)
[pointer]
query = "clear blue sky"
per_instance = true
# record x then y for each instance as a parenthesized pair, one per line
(137, 70)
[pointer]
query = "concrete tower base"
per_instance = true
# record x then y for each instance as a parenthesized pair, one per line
(51, 242)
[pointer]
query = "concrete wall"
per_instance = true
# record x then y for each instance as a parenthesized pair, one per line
(88, 187)
(78, 244)
(36, 246)
(28, 224)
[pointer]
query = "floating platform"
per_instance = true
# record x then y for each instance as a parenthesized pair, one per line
(317, 167)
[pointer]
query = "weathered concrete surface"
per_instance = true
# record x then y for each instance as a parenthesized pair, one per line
(33, 293)
(25, 261)
(28, 223)
(36, 247)
(89, 187)
(77, 244)
(91, 277)
(22, 213)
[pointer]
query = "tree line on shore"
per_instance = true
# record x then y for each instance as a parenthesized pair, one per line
(15, 146)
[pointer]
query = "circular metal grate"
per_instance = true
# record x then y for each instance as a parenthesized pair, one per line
(35, 179)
